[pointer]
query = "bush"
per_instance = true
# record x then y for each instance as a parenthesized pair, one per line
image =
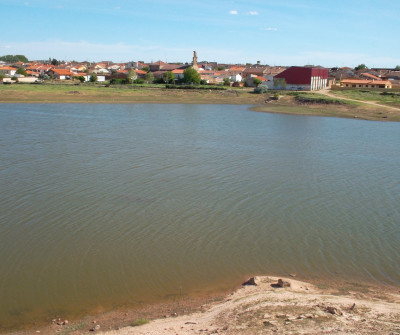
(138, 81)
(93, 78)
(261, 89)
(81, 78)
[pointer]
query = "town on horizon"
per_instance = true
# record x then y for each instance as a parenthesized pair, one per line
(17, 68)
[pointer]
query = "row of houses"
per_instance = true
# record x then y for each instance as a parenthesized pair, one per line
(274, 77)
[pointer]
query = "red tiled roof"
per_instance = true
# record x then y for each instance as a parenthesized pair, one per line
(365, 81)
(7, 68)
(63, 72)
(237, 68)
(370, 76)
(140, 72)
(177, 71)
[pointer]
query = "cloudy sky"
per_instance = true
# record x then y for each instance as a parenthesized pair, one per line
(278, 32)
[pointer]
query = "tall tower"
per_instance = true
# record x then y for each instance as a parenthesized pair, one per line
(194, 65)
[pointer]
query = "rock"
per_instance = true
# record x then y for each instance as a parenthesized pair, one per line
(281, 316)
(190, 323)
(96, 327)
(292, 274)
(333, 310)
(283, 283)
(251, 281)
(269, 324)
(352, 307)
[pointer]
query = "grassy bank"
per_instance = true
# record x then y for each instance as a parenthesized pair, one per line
(28, 93)
(386, 97)
(301, 103)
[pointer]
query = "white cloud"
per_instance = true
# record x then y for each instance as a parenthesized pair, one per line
(253, 12)
(26, 3)
(5, 47)
(271, 29)
(233, 12)
(118, 7)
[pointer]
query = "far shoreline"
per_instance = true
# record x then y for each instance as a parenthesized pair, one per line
(287, 104)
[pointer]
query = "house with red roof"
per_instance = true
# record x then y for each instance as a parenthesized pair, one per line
(365, 83)
(8, 70)
(61, 74)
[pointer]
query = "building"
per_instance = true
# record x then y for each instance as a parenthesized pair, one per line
(364, 83)
(8, 70)
(303, 78)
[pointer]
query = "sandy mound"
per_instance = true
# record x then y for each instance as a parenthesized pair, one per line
(266, 308)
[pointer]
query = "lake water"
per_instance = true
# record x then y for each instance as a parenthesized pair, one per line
(107, 205)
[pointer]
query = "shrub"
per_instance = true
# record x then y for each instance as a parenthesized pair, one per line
(261, 89)
(81, 78)
(138, 81)
(93, 78)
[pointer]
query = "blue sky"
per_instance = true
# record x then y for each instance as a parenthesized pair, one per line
(279, 32)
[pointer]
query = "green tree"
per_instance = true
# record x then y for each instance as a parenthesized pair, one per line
(145, 68)
(14, 58)
(227, 82)
(190, 75)
(93, 78)
(397, 68)
(149, 77)
(168, 77)
(257, 81)
(55, 62)
(131, 76)
(360, 67)
(81, 78)
(21, 71)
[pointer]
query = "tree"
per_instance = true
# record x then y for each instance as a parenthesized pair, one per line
(93, 78)
(131, 76)
(227, 82)
(397, 68)
(81, 78)
(55, 62)
(168, 77)
(14, 58)
(190, 75)
(360, 67)
(22, 71)
(257, 81)
(145, 68)
(149, 77)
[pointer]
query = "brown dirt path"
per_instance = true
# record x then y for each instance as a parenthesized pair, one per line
(327, 93)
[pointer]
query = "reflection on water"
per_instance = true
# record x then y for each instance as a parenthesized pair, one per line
(103, 205)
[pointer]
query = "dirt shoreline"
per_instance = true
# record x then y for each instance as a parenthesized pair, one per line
(287, 104)
(337, 307)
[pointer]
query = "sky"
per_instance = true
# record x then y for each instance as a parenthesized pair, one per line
(280, 32)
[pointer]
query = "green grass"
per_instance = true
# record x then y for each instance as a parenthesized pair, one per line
(139, 322)
(388, 97)
(312, 98)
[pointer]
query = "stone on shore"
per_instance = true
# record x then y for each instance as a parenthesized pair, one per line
(283, 283)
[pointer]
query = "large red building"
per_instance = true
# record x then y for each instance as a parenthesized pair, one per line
(303, 78)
